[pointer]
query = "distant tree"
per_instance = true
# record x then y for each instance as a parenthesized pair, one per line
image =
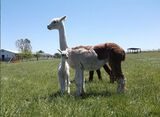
(40, 51)
(38, 54)
(24, 45)
(57, 55)
(25, 48)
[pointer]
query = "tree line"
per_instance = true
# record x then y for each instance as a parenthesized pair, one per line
(25, 50)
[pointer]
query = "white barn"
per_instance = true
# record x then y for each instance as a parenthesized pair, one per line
(6, 55)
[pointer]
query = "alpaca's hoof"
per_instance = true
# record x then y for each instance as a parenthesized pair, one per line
(120, 90)
(68, 92)
(112, 81)
(80, 94)
(90, 80)
(121, 86)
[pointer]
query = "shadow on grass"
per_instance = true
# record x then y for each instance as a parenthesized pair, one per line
(84, 96)
(98, 94)
(155, 114)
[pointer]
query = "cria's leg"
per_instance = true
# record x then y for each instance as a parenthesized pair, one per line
(117, 72)
(91, 73)
(68, 84)
(61, 82)
(79, 78)
(67, 78)
(99, 74)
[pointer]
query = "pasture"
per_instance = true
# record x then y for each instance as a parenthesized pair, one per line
(30, 89)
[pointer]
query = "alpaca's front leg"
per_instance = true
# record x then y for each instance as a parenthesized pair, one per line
(79, 78)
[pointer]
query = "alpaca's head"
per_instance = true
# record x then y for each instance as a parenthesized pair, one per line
(56, 23)
(64, 54)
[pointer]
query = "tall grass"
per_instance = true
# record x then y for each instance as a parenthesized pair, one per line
(30, 89)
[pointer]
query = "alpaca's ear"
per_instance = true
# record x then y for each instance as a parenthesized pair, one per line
(59, 51)
(63, 18)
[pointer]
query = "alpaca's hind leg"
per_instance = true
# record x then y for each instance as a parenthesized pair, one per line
(91, 73)
(117, 72)
(109, 71)
(79, 78)
(99, 74)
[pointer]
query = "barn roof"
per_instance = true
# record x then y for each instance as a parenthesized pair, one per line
(12, 51)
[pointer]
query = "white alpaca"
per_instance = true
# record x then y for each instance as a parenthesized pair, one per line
(90, 57)
(63, 73)
(58, 24)
(82, 59)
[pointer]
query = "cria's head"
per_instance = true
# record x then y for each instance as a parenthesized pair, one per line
(64, 54)
(56, 23)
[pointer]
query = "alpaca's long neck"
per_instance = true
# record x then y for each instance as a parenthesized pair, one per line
(62, 38)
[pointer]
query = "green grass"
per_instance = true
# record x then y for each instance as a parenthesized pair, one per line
(29, 89)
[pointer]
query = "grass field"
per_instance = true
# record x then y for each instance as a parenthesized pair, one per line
(29, 89)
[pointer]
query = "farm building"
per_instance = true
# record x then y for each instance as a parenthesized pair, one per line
(43, 56)
(134, 50)
(7, 55)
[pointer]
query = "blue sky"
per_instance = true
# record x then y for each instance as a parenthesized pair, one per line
(129, 23)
